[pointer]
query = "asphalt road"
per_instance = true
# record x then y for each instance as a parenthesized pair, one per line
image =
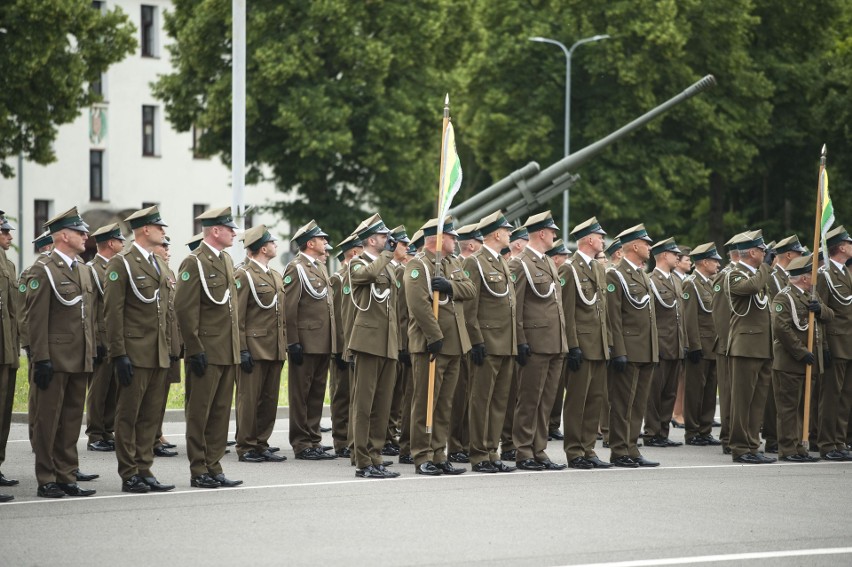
(697, 508)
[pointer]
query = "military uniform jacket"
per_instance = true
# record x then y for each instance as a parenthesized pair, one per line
(632, 317)
(10, 349)
(698, 313)
(340, 290)
(778, 280)
(61, 309)
(206, 306)
(834, 287)
(751, 325)
(374, 291)
(402, 308)
(584, 303)
(136, 307)
(490, 317)
(23, 283)
(540, 320)
(98, 265)
(790, 328)
(671, 329)
(308, 307)
(260, 301)
(721, 308)
(173, 336)
(423, 328)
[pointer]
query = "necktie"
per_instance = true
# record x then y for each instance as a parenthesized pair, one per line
(153, 261)
(73, 265)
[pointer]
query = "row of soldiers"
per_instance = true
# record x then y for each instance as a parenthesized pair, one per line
(517, 325)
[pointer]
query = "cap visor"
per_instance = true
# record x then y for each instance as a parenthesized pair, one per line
(231, 224)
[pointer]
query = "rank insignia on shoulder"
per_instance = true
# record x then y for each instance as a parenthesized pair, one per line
(113, 276)
(287, 280)
(686, 296)
(22, 288)
(34, 284)
(717, 288)
(415, 274)
(185, 276)
(610, 288)
(779, 308)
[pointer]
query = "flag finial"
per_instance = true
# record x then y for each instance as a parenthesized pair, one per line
(823, 151)
(447, 100)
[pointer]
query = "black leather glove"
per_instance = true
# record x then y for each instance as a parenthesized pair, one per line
(695, 356)
(339, 361)
(390, 245)
(620, 363)
(27, 351)
(434, 349)
(575, 358)
(295, 351)
(442, 285)
(477, 354)
(814, 307)
(809, 359)
(198, 363)
(405, 357)
(43, 373)
(100, 354)
(524, 354)
(123, 369)
(246, 361)
(826, 358)
(173, 358)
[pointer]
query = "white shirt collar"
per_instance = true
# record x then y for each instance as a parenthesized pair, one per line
(145, 253)
(101, 257)
(681, 276)
(261, 266)
(752, 270)
(368, 255)
(587, 259)
(493, 252)
(309, 258)
(800, 289)
(840, 266)
(68, 260)
(631, 264)
(217, 252)
(703, 277)
(536, 252)
(665, 275)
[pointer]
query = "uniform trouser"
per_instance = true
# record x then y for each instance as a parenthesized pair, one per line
(661, 399)
(432, 446)
(770, 416)
(7, 398)
(101, 403)
(489, 397)
(835, 399)
(31, 402)
(723, 379)
(459, 441)
(554, 421)
(395, 419)
(307, 394)
(506, 441)
(677, 412)
(699, 397)
(172, 377)
(813, 422)
(340, 406)
(628, 398)
(257, 405)
(603, 423)
(137, 416)
(537, 383)
(582, 410)
(405, 376)
(789, 391)
(371, 401)
(749, 385)
(207, 414)
(58, 417)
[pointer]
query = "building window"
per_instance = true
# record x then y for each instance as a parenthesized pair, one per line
(96, 175)
(197, 210)
(149, 130)
(248, 220)
(41, 214)
(148, 28)
(98, 5)
(196, 142)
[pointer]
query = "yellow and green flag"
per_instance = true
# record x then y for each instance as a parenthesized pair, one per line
(827, 215)
(451, 175)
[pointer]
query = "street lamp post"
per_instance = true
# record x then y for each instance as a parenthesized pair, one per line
(568, 51)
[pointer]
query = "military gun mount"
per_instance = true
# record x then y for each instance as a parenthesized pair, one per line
(528, 189)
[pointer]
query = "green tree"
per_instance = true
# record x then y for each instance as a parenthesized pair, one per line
(50, 51)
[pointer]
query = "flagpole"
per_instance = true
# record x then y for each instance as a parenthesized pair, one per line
(814, 268)
(430, 398)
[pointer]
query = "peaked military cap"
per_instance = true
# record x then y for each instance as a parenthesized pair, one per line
(735, 239)
(505, 251)
(836, 236)
(558, 249)
(705, 251)
(801, 265)
(195, 241)
(43, 239)
(771, 245)
(140, 218)
(400, 235)
(540, 221)
(108, 232)
(753, 239)
(519, 233)
(613, 247)
(667, 245)
(370, 226)
(789, 244)
(492, 222)
(350, 242)
(305, 233)
(217, 217)
(417, 240)
(470, 232)
(69, 219)
(637, 232)
(255, 237)
(431, 227)
(591, 226)
(4, 223)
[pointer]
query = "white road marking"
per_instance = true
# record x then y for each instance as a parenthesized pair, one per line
(725, 557)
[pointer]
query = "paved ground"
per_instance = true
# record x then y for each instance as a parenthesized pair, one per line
(697, 508)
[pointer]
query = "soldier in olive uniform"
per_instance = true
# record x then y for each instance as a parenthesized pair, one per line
(135, 308)
(103, 388)
(161, 445)
(490, 320)
(699, 397)
(395, 422)
(61, 302)
(405, 367)
(206, 308)
(309, 313)
(263, 347)
(560, 256)
(442, 340)
(9, 343)
(614, 253)
(635, 349)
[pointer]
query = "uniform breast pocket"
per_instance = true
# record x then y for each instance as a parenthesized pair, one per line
(60, 338)
(214, 283)
(751, 330)
(68, 291)
(542, 283)
(255, 332)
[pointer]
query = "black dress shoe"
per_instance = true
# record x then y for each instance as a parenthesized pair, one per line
(447, 468)
(624, 461)
(748, 459)
(484, 467)
(50, 490)
(643, 462)
(111, 442)
(226, 482)
(273, 449)
(771, 448)
(406, 459)
(500, 466)
(156, 486)
(83, 477)
(597, 463)
(160, 451)
(551, 466)
(325, 429)
(697, 441)
(836, 456)
(100, 445)
(204, 481)
(232, 442)
(766, 459)
(313, 454)
(555, 434)
(251, 457)
(656, 441)
(369, 472)
(530, 465)
(136, 485)
(6, 497)
(387, 472)
(168, 445)
(428, 468)
(677, 424)
(324, 448)
(580, 463)
(508, 455)
(272, 457)
(797, 458)
(716, 423)
(344, 453)
(459, 457)
(726, 450)
(7, 481)
(73, 489)
(672, 443)
(711, 440)
(390, 450)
